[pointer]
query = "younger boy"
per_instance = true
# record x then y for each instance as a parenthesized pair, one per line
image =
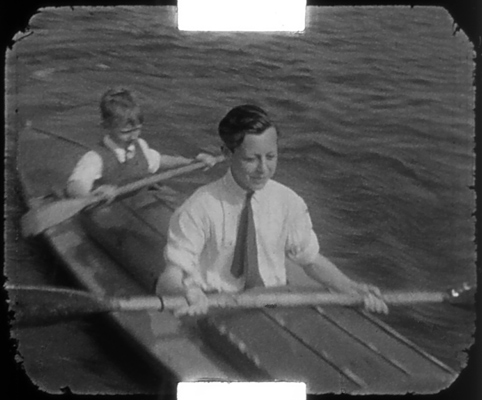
(121, 157)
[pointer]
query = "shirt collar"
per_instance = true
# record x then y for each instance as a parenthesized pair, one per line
(237, 191)
(121, 154)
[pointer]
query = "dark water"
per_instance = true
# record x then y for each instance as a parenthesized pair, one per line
(375, 108)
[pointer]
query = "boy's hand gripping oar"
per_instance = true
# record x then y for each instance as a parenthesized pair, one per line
(39, 219)
(43, 305)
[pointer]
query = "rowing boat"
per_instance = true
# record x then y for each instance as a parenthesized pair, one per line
(115, 250)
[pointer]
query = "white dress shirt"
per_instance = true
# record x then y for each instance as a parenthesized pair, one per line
(89, 168)
(202, 234)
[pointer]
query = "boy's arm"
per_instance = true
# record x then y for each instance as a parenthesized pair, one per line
(325, 272)
(167, 162)
(303, 249)
(157, 161)
(178, 161)
(86, 172)
(181, 275)
(172, 283)
(77, 188)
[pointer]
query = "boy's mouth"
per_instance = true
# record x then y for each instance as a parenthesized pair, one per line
(128, 131)
(130, 136)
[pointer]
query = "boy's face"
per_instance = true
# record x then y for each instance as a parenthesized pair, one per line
(254, 162)
(124, 132)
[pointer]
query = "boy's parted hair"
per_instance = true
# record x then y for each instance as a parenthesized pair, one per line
(118, 106)
(240, 121)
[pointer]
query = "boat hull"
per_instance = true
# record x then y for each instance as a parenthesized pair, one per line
(116, 250)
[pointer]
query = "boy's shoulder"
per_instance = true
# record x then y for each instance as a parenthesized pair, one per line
(99, 147)
(205, 197)
(92, 155)
(142, 142)
(208, 191)
(145, 146)
(282, 192)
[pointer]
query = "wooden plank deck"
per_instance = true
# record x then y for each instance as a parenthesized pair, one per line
(336, 350)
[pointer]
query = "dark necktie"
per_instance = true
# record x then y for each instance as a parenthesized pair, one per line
(246, 252)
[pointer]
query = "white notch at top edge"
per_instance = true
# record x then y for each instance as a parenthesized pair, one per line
(242, 15)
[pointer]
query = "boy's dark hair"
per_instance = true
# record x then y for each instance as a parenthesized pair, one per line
(119, 106)
(242, 120)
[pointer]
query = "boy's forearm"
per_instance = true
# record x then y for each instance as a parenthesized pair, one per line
(325, 272)
(174, 161)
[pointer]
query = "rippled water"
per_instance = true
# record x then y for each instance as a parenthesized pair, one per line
(374, 105)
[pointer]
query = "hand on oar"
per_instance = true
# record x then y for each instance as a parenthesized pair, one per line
(39, 219)
(45, 305)
(105, 193)
(207, 159)
(372, 298)
(197, 303)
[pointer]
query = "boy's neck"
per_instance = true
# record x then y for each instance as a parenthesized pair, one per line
(118, 143)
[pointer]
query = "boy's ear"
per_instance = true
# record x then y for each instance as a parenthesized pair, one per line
(226, 152)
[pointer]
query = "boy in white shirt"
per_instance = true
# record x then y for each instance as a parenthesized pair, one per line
(204, 233)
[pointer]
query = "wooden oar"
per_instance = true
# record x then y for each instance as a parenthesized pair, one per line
(46, 216)
(35, 305)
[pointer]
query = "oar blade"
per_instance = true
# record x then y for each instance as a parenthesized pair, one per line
(46, 216)
(37, 306)
(462, 296)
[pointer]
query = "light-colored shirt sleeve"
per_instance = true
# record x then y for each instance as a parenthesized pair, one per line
(302, 243)
(87, 171)
(185, 243)
(153, 157)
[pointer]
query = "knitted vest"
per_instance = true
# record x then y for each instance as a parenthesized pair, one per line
(117, 173)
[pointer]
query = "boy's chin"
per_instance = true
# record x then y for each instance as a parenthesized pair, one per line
(258, 185)
(126, 142)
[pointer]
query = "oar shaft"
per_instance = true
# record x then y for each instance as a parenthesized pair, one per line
(162, 176)
(283, 299)
(40, 305)
(138, 303)
(294, 299)
(402, 298)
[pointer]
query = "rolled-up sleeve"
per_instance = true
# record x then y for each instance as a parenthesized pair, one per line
(87, 171)
(302, 244)
(185, 242)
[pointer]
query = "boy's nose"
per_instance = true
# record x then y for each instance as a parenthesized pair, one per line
(262, 165)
